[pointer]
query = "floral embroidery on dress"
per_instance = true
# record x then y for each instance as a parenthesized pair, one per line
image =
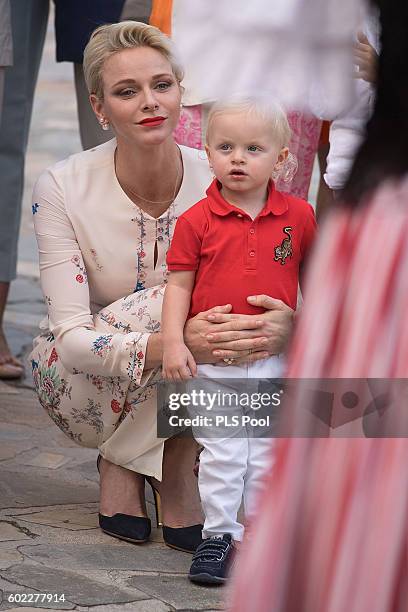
(110, 319)
(51, 389)
(136, 359)
(102, 345)
(82, 276)
(91, 415)
(48, 300)
(142, 312)
(34, 208)
(94, 254)
(107, 384)
(53, 357)
(141, 253)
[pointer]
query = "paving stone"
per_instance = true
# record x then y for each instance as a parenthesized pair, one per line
(148, 605)
(146, 557)
(26, 319)
(8, 450)
(51, 461)
(9, 557)
(11, 532)
(23, 409)
(179, 592)
(75, 519)
(26, 609)
(8, 389)
(77, 588)
(20, 489)
(24, 290)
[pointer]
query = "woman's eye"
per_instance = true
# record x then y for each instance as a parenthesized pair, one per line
(162, 86)
(125, 93)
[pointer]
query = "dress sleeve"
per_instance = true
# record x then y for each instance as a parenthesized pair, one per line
(185, 249)
(65, 286)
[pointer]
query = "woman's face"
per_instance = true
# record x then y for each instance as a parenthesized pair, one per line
(141, 96)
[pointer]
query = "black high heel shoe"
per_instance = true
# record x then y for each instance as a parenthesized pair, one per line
(186, 539)
(135, 529)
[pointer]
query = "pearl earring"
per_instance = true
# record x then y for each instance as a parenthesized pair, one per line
(104, 123)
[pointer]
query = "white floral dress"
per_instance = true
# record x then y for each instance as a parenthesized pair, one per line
(104, 298)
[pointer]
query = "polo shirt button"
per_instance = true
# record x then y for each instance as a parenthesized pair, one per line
(252, 253)
(252, 231)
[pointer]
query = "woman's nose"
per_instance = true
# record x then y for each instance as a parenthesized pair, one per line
(149, 101)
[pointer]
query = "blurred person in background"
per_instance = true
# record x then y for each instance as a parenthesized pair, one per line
(28, 24)
(347, 131)
(332, 530)
(74, 23)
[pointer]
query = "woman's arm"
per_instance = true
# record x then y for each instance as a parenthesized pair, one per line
(65, 286)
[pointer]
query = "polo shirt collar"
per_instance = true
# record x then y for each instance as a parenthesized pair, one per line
(276, 203)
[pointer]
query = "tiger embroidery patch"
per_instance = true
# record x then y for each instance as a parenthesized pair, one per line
(284, 249)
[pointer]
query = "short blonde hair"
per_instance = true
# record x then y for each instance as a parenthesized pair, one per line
(269, 111)
(109, 39)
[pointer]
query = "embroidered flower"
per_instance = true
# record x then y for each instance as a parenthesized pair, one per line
(35, 208)
(75, 259)
(48, 386)
(142, 254)
(53, 357)
(140, 355)
(115, 406)
(102, 345)
(79, 278)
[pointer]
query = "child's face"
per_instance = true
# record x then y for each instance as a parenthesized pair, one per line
(242, 151)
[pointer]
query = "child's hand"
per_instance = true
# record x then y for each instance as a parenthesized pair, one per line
(178, 363)
(366, 59)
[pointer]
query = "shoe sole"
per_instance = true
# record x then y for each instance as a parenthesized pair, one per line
(190, 552)
(206, 579)
(119, 537)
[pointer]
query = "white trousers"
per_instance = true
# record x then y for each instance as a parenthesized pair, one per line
(232, 467)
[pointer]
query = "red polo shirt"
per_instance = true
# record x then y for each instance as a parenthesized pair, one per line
(235, 256)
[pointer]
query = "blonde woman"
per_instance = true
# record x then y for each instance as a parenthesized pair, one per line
(104, 220)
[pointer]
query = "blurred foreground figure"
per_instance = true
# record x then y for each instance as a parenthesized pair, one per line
(298, 50)
(332, 530)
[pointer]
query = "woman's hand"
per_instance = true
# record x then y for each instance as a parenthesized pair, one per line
(244, 338)
(238, 332)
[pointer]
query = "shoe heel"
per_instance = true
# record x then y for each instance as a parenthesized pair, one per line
(158, 508)
(157, 504)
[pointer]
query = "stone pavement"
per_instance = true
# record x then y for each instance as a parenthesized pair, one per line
(49, 539)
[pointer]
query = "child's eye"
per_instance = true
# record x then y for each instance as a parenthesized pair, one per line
(225, 147)
(253, 148)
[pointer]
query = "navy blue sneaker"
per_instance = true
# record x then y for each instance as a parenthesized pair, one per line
(212, 560)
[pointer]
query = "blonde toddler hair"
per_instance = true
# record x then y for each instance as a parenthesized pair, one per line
(269, 111)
